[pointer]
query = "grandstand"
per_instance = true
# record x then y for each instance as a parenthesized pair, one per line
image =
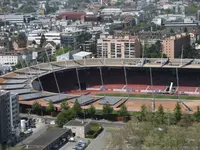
(137, 75)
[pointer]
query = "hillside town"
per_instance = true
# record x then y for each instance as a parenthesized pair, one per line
(40, 38)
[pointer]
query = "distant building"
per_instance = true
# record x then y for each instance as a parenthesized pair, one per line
(10, 60)
(89, 46)
(118, 47)
(172, 46)
(74, 16)
(198, 15)
(78, 128)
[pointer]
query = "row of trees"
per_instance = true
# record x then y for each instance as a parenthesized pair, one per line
(76, 111)
(159, 130)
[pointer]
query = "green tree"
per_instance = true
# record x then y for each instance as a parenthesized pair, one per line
(171, 30)
(37, 107)
(21, 40)
(197, 114)
(63, 51)
(63, 117)
(107, 109)
(185, 30)
(64, 105)
(42, 40)
(143, 114)
(50, 107)
(92, 110)
(77, 108)
(160, 115)
(123, 111)
(177, 112)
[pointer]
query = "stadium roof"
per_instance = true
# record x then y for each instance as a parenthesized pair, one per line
(14, 86)
(57, 98)
(15, 81)
(109, 100)
(84, 100)
(20, 91)
(34, 95)
(17, 87)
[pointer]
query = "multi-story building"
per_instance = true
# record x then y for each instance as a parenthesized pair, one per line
(89, 46)
(173, 45)
(49, 36)
(118, 47)
(5, 125)
(9, 60)
(9, 115)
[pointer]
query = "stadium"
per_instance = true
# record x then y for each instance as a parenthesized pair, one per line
(132, 82)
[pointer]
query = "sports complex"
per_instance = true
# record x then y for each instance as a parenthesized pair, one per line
(132, 82)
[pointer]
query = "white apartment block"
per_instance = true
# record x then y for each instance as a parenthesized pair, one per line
(9, 60)
(118, 47)
(50, 36)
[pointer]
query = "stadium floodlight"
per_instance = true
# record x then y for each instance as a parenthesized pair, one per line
(153, 97)
(182, 55)
(52, 70)
(39, 75)
(101, 77)
(125, 76)
(78, 79)
(177, 80)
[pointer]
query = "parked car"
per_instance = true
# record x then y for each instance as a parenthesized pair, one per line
(72, 139)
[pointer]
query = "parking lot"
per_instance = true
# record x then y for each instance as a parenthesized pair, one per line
(71, 145)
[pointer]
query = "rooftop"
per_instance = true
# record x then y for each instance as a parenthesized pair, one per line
(76, 123)
(48, 137)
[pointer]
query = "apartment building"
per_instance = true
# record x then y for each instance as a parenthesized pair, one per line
(173, 45)
(9, 115)
(9, 60)
(5, 126)
(118, 47)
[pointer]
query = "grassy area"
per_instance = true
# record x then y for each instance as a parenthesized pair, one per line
(157, 96)
(99, 112)
(94, 132)
(95, 127)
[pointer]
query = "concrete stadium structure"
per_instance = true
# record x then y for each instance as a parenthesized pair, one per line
(62, 81)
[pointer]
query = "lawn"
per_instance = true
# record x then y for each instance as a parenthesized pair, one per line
(95, 130)
(157, 96)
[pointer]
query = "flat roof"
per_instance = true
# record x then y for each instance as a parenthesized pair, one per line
(48, 137)
(76, 123)
(82, 54)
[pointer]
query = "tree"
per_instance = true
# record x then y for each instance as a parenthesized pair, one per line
(42, 40)
(50, 107)
(64, 105)
(197, 114)
(143, 114)
(107, 109)
(63, 117)
(92, 110)
(123, 111)
(171, 30)
(63, 51)
(21, 40)
(185, 30)
(160, 115)
(37, 107)
(177, 112)
(77, 108)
